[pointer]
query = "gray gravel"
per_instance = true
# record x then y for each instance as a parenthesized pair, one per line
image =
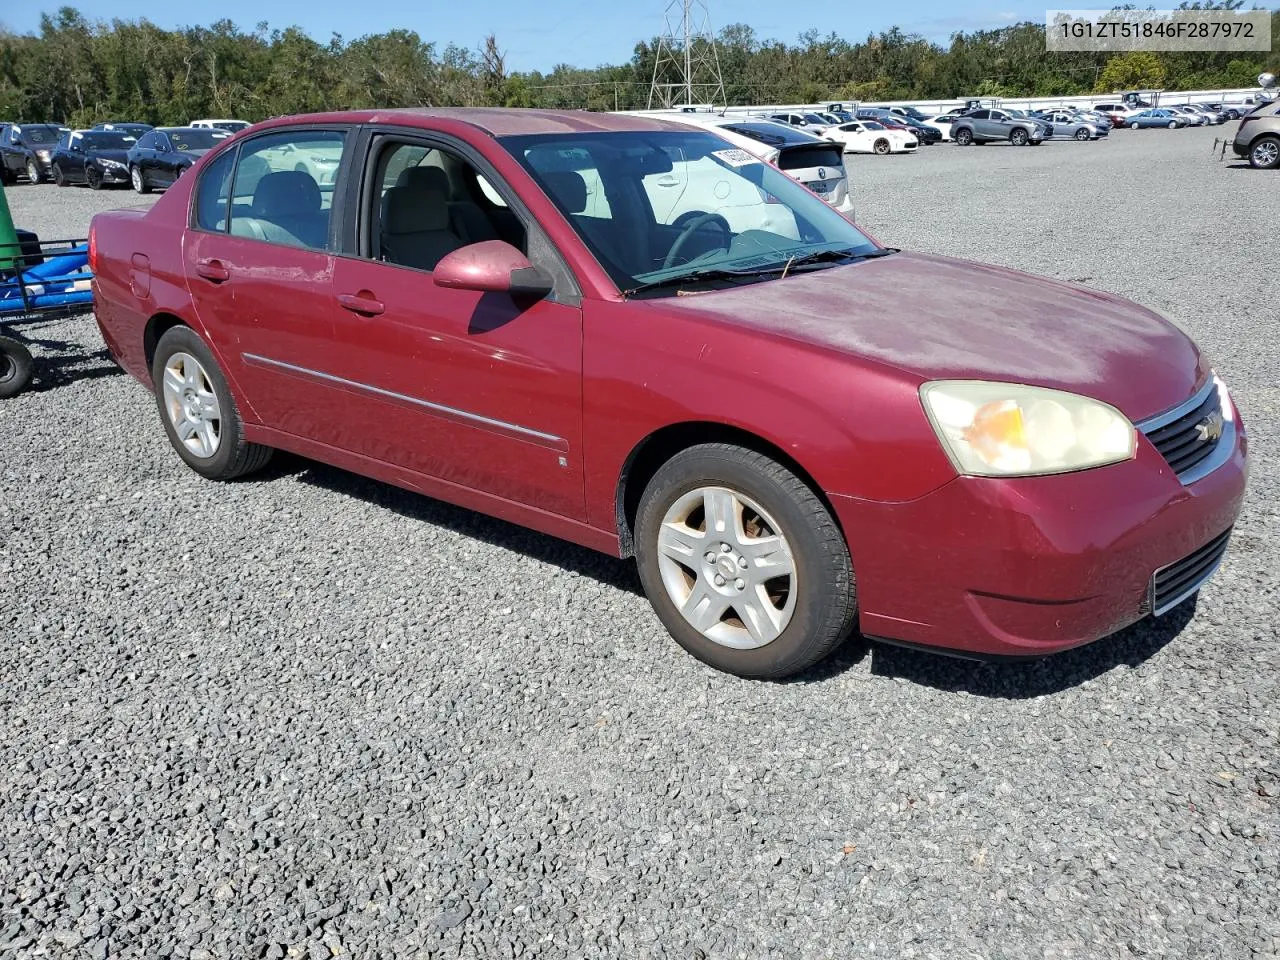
(310, 716)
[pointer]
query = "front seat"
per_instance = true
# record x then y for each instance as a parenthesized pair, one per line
(290, 200)
(569, 189)
(467, 220)
(415, 227)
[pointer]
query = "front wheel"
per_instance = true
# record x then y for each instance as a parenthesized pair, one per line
(138, 180)
(33, 172)
(16, 367)
(93, 177)
(1173, 124)
(1265, 153)
(59, 178)
(963, 137)
(744, 565)
(1019, 138)
(198, 411)
(882, 147)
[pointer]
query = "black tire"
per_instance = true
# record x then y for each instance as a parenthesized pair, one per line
(963, 137)
(58, 177)
(1173, 124)
(234, 456)
(1019, 137)
(93, 177)
(1133, 125)
(6, 175)
(1264, 153)
(881, 147)
(16, 367)
(138, 180)
(825, 608)
(33, 172)
(1082, 133)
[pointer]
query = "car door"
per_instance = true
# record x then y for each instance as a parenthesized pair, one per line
(71, 157)
(480, 390)
(143, 152)
(259, 264)
(10, 152)
(161, 162)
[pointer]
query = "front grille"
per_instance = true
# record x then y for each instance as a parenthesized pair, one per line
(1174, 583)
(1189, 434)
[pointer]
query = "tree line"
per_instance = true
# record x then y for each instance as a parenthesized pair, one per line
(79, 72)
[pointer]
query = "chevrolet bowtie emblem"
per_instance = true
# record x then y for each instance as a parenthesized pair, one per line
(1210, 428)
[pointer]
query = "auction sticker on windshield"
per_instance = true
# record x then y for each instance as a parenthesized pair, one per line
(735, 158)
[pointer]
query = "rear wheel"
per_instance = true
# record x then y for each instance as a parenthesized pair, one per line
(198, 411)
(138, 180)
(1082, 133)
(16, 367)
(743, 563)
(963, 136)
(1265, 153)
(33, 172)
(882, 147)
(1019, 138)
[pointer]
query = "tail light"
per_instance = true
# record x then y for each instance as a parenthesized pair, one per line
(93, 249)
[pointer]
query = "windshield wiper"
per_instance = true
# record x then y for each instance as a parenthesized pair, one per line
(834, 256)
(693, 276)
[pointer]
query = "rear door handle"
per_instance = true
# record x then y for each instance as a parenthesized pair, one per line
(362, 303)
(213, 270)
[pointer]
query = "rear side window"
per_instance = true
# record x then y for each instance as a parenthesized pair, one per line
(213, 193)
(283, 187)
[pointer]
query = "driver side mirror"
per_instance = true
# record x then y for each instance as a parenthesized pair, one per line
(492, 266)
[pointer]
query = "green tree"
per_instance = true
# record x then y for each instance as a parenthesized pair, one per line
(1138, 69)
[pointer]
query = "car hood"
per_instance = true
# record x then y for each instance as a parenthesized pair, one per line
(120, 156)
(973, 321)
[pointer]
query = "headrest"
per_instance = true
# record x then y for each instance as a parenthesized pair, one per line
(287, 193)
(431, 178)
(414, 209)
(568, 189)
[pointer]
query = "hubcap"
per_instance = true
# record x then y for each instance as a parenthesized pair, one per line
(1266, 153)
(137, 179)
(191, 405)
(727, 567)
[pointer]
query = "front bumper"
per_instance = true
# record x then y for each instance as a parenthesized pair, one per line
(113, 174)
(1031, 566)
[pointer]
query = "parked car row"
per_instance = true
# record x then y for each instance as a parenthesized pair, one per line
(111, 152)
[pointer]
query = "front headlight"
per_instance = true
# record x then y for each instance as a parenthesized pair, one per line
(43, 154)
(1008, 430)
(116, 164)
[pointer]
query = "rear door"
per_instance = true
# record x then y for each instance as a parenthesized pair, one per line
(260, 267)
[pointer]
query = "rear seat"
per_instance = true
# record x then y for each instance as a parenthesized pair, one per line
(286, 209)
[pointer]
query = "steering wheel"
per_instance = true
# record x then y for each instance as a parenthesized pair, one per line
(691, 228)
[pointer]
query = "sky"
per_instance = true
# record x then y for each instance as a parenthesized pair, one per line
(538, 34)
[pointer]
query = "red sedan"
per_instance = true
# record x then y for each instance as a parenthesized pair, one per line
(632, 335)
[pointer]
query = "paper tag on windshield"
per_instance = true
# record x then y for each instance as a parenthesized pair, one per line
(735, 158)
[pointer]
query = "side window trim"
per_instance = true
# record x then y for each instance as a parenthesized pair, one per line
(361, 185)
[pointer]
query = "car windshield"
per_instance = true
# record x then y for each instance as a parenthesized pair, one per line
(41, 134)
(108, 141)
(659, 206)
(196, 139)
(872, 125)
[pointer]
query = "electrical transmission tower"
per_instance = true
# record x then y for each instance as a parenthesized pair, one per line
(687, 67)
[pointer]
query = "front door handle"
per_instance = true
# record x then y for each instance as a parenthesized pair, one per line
(213, 270)
(362, 303)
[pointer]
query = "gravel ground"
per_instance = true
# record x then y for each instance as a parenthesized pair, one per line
(312, 716)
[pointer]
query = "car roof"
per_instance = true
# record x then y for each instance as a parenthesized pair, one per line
(495, 121)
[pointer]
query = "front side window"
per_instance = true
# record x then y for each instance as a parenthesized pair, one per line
(213, 194)
(673, 202)
(283, 187)
(428, 201)
(148, 142)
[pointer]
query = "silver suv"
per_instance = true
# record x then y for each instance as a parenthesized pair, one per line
(991, 126)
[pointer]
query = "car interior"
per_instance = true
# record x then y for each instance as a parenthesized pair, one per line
(434, 202)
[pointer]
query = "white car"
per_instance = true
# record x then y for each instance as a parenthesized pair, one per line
(816, 162)
(868, 136)
(231, 126)
(943, 124)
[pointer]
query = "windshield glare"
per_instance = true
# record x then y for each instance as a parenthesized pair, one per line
(40, 134)
(196, 139)
(655, 205)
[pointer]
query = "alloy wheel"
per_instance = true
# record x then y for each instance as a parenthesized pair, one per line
(33, 172)
(135, 175)
(727, 567)
(192, 405)
(1266, 154)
